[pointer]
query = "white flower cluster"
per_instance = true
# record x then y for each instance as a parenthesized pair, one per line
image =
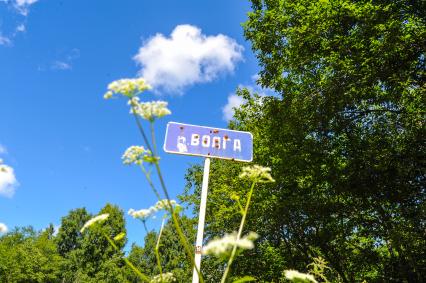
(137, 155)
(3, 228)
(297, 276)
(257, 173)
(94, 220)
(149, 110)
(163, 278)
(126, 87)
(143, 214)
(224, 245)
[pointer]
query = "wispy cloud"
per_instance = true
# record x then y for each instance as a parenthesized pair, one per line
(59, 65)
(5, 40)
(8, 182)
(20, 7)
(20, 28)
(23, 6)
(64, 61)
(3, 150)
(186, 57)
(235, 101)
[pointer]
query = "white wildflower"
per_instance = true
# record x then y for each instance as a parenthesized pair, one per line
(137, 155)
(257, 173)
(127, 87)
(297, 276)
(3, 228)
(94, 220)
(143, 214)
(224, 245)
(163, 278)
(163, 204)
(150, 110)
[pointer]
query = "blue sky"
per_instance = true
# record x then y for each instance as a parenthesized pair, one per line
(61, 142)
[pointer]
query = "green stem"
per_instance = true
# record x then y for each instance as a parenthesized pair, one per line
(151, 184)
(157, 248)
(144, 225)
(140, 274)
(138, 123)
(181, 235)
(240, 231)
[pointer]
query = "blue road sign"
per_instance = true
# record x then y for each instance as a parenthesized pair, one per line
(209, 142)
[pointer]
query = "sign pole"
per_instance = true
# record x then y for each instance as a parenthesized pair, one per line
(202, 216)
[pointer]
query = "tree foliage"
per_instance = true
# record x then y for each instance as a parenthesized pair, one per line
(344, 137)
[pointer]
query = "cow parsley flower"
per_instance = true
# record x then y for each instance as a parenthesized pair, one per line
(163, 204)
(127, 87)
(3, 228)
(163, 278)
(143, 214)
(137, 155)
(224, 245)
(257, 173)
(149, 110)
(94, 220)
(299, 277)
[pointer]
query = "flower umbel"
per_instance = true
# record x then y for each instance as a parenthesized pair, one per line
(299, 277)
(127, 87)
(149, 110)
(94, 220)
(143, 214)
(163, 278)
(257, 173)
(224, 245)
(137, 155)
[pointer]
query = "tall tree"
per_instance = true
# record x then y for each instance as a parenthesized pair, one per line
(344, 137)
(89, 256)
(29, 256)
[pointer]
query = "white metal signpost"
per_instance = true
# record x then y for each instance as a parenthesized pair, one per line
(211, 143)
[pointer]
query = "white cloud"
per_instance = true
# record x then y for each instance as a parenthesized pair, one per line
(3, 228)
(5, 40)
(20, 28)
(23, 6)
(25, 2)
(60, 65)
(3, 150)
(234, 101)
(8, 182)
(56, 230)
(186, 57)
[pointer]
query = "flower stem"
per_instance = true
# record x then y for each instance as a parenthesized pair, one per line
(240, 231)
(151, 184)
(181, 235)
(138, 123)
(157, 252)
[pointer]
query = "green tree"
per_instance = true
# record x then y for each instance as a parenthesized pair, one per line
(344, 137)
(89, 256)
(29, 256)
(172, 253)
